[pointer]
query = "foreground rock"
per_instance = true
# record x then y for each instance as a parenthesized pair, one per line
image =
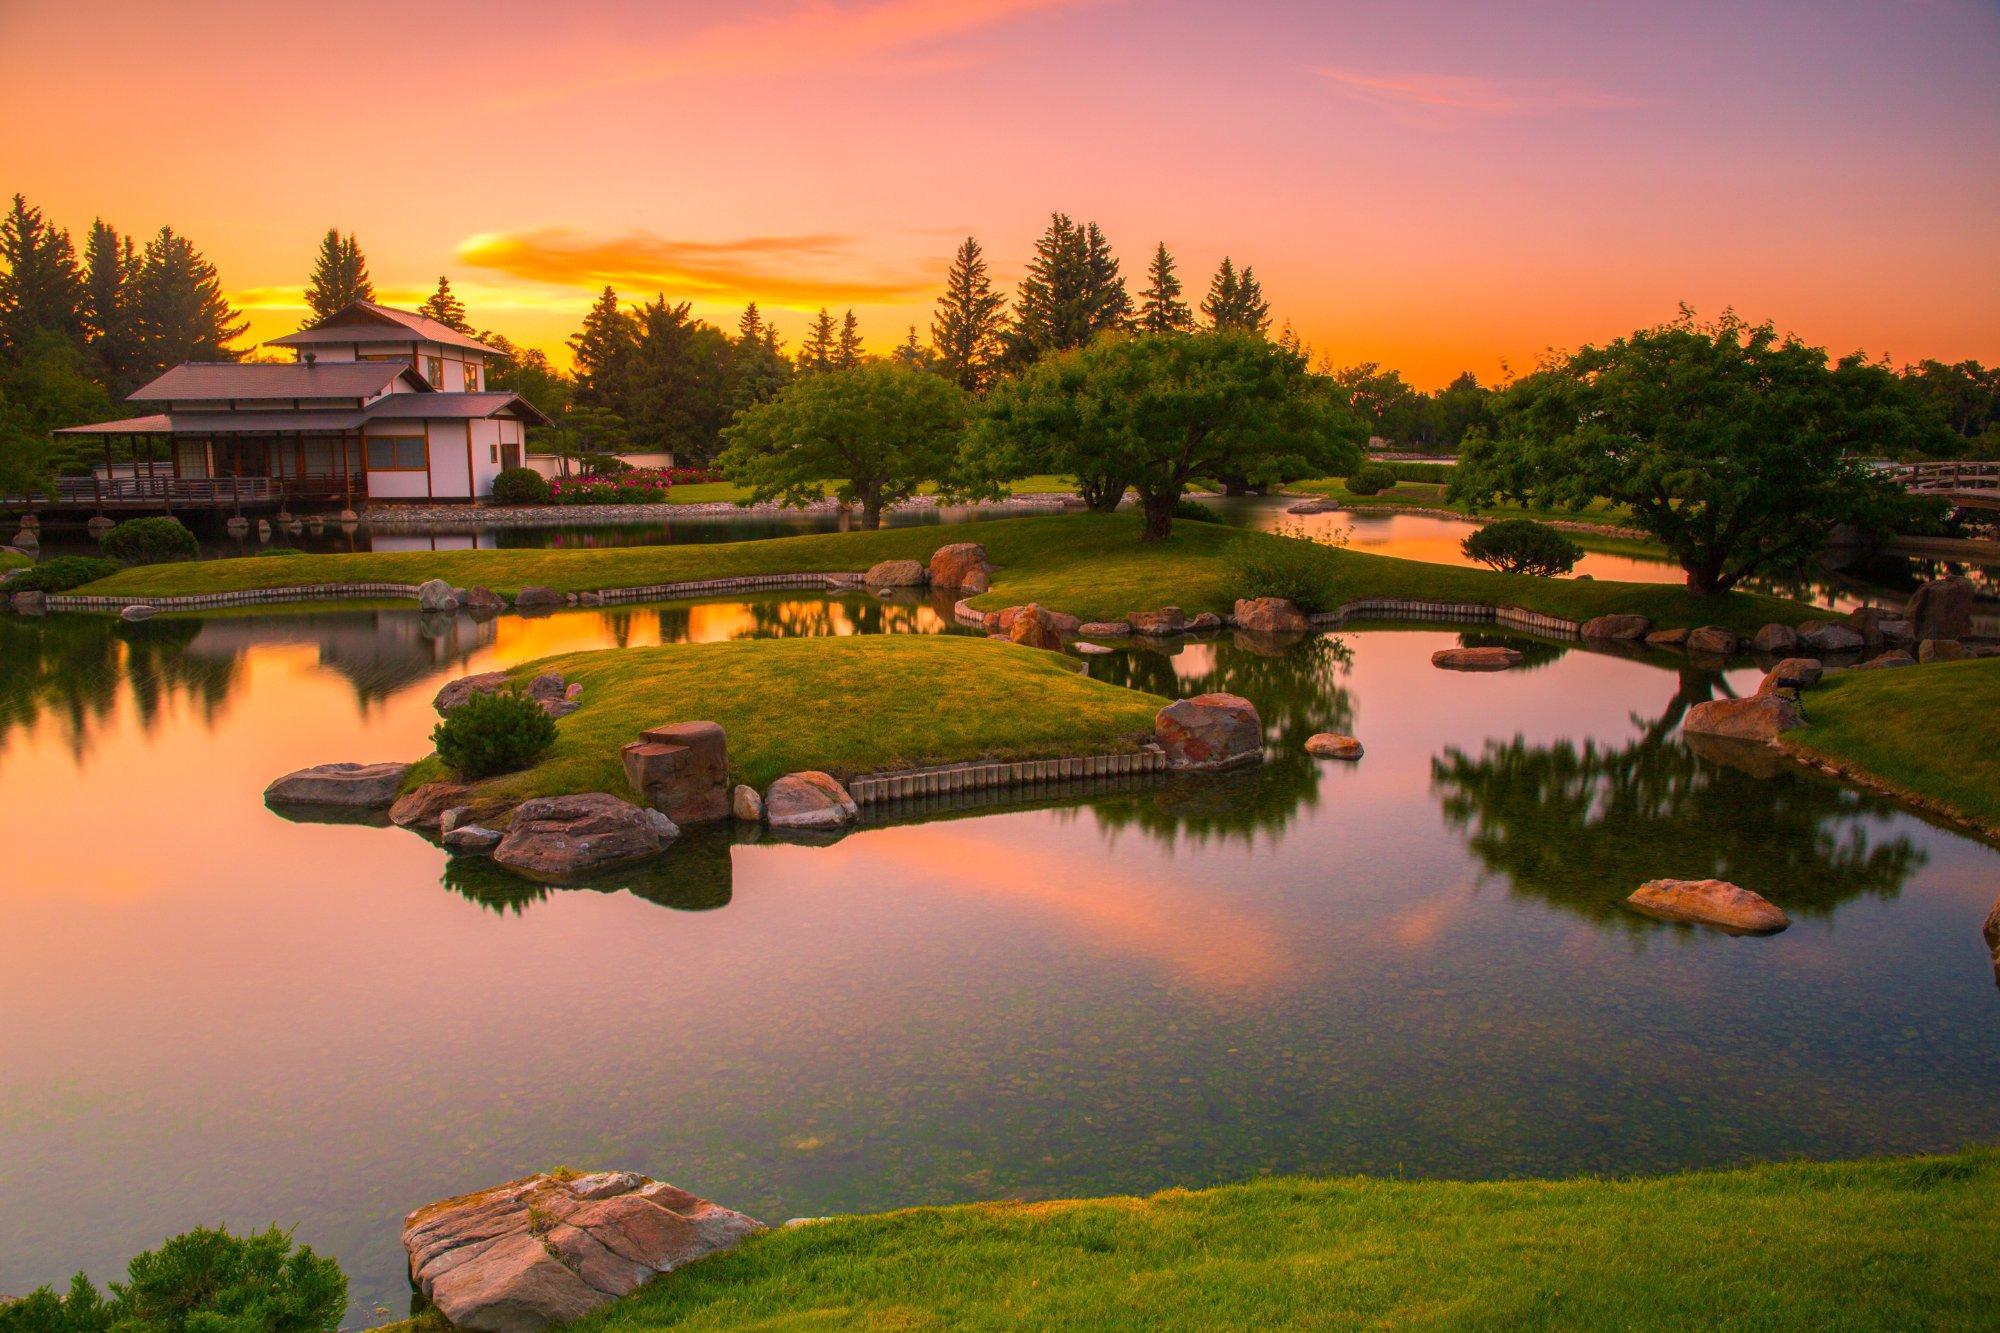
(895, 574)
(1270, 615)
(1209, 731)
(1711, 902)
(1616, 627)
(681, 770)
(1941, 609)
(962, 565)
(1761, 717)
(347, 786)
(1333, 745)
(1476, 659)
(1036, 628)
(545, 1250)
(809, 800)
(567, 838)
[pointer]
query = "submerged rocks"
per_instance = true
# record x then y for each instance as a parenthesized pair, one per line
(961, 565)
(564, 838)
(548, 1249)
(436, 595)
(1332, 745)
(1777, 639)
(1163, 623)
(1270, 615)
(809, 800)
(1941, 609)
(1712, 902)
(1616, 627)
(681, 770)
(1209, 731)
(347, 786)
(1761, 717)
(1489, 658)
(895, 574)
(1821, 637)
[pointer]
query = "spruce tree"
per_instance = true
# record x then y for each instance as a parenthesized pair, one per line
(1161, 309)
(446, 308)
(339, 277)
(912, 353)
(179, 312)
(111, 282)
(1236, 302)
(758, 368)
(750, 325)
(818, 350)
(848, 353)
(1072, 292)
(966, 331)
(41, 289)
(602, 351)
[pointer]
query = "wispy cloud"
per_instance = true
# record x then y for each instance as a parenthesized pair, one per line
(1471, 95)
(804, 270)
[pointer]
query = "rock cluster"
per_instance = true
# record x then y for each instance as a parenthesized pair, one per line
(1713, 902)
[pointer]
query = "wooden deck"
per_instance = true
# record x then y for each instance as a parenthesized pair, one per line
(166, 494)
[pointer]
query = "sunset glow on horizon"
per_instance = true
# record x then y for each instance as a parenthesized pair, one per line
(1438, 188)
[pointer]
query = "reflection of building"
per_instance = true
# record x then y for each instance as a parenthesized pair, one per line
(381, 652)
(380, 404)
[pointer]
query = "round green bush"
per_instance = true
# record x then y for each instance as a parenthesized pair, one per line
(520, 486)
(1194, 511)
(1371, 479)
(150, 541)
(1523, 546)
(63, 572)
(493, 733)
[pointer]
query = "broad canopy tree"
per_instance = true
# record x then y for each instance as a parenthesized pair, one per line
(882, 428)
(1729, 443)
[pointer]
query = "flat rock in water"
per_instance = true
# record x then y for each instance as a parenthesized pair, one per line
(1210, 731)
(567, 838)
(1761, 717)
(1091, 649)
(1492, 658)
(548, 1249)
(1333, 745)
(348, 786)
(1712, 902)
(471, 839)
(809, 800)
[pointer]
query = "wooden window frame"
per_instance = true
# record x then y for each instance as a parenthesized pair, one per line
(369, 442)
(434, 371)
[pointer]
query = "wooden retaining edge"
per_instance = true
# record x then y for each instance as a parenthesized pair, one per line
(946, 779)
(314, 592)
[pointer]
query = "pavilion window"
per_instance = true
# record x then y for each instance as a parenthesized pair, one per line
(397, 453)
(191, 458)
(471, 378)
(434, 371)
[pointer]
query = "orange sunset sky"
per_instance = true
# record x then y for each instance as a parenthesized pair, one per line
(1433, 186)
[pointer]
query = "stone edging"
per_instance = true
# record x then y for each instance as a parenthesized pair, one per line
(1389, 608)
(947, 779)
(309, 592)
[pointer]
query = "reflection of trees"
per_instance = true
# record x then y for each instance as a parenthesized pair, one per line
(1296, 687)
(694, 875)
(71, 667)
(1584, 825)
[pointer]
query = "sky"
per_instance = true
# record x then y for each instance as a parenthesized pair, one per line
(1434, 187)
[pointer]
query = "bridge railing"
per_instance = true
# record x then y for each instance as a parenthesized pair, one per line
(1952, 476)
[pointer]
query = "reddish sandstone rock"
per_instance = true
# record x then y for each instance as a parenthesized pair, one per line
(1761, 717)
(1035, 628)
(681, 770)
(1270, 615)
(1166, 621)
(546, 1249)
(1712, 639)
(1775, 638)
(562, 839)
(1332, 745)
(960, 565)
(1668, 638)
(456, 692)
(1210, 731)
(1616, 627)
(809, 800)
(1712, 902)
(1797, 673)
(348, 786)
(895, 574)
(1493, 658)
(425, 807)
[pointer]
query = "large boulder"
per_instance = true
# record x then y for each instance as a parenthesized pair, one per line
(536, 599)
(1878, 625)
(1166, 621)
(567, 838)
(1792, 673)
(1941, 609)
(1776, 639)
(1209, 731)
(1489, 658)
(348, 786)
(436, 595)
(681, 770)
(1712, 902)
(456, 692)
(484, 603)
(1712, 639)
(1270, 615)
(424, 807)
(1761, 717)
(1332, 745)
(1820, 637)
(1036, 628)
(895, 574)
(960, 565)
(548, 1249)
(1616, 627)
(809, 800)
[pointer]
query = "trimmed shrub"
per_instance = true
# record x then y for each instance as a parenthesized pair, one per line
(1523, 546)
(63, 572)
(1421, 471)
(1371, 479)
(199, 1281)
(150, 541)
(1294, 567)
(493, 733)
(520, 486)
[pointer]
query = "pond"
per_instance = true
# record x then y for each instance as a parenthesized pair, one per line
(1417, 964)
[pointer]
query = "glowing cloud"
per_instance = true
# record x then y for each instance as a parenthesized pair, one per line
(1470, 95)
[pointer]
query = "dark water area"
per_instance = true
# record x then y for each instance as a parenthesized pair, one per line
(1417, 964)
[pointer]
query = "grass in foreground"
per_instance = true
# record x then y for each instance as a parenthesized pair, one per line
(1932, 733)
(1890, 1244)
(1091, 565)
(844, 705)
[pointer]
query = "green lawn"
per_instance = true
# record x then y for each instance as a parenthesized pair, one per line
(1930, 732)
(1091, 565)
(1430, 495)
(13, 560)
(845, 705)
(1888, 1244)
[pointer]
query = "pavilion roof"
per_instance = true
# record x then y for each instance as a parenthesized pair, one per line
(368, 321)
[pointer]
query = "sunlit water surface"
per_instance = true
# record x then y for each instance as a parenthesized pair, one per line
(1416, 964)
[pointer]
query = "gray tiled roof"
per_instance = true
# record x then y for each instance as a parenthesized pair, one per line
(366, 321)
(217, 381)
(395, 407)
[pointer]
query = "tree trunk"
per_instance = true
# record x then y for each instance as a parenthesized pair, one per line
(1159, 513)
(871, 513)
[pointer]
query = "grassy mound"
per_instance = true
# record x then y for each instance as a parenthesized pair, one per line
(845, 705)
(1889, 1244)
(1091, 565)
(1930, 733)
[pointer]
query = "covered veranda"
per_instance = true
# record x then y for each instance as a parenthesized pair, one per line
(164, 463)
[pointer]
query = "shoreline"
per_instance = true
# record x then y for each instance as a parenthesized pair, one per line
(474, 516)
(1429, 511)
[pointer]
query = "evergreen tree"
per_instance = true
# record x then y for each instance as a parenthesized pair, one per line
(1071, 294)
(602, 351)
(967, 330)
(750, 325)
(912, 353)
(1236, 302)
(817, 352)
(759, 368)
(680, 384)
(339, 277)
(1161, 309)
(42, 289)
(111, 281)
(848, 353)
(446, 308)
(179, 312)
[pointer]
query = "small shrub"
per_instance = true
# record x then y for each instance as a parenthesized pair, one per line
(150, 541)
(1194, 511)
(493, 733)
(1523, 546)
(63, 572)
(1295, 567)
(1421, 471)
(520, 486)
(1371, 479)
(202, 1281)
(609, 467)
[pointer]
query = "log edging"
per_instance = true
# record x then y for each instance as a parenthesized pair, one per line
(948, 779)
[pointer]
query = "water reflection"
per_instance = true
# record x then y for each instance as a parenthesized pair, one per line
(71, 672)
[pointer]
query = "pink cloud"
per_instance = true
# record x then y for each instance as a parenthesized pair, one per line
(1472, 95)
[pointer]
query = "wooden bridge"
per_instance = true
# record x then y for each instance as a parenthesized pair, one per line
(1971, 485)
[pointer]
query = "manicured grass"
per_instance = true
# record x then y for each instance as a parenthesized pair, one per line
(1931, 733)
(845, 705)
(1091, 565)
(1891, 1244)
(1431, 495)
(13, 560)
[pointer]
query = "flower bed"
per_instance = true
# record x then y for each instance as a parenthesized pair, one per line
(638, 486)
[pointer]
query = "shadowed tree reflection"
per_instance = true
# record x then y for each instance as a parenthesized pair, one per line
(71, 668)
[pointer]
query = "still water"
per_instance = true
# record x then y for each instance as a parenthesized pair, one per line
(1417, 964)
